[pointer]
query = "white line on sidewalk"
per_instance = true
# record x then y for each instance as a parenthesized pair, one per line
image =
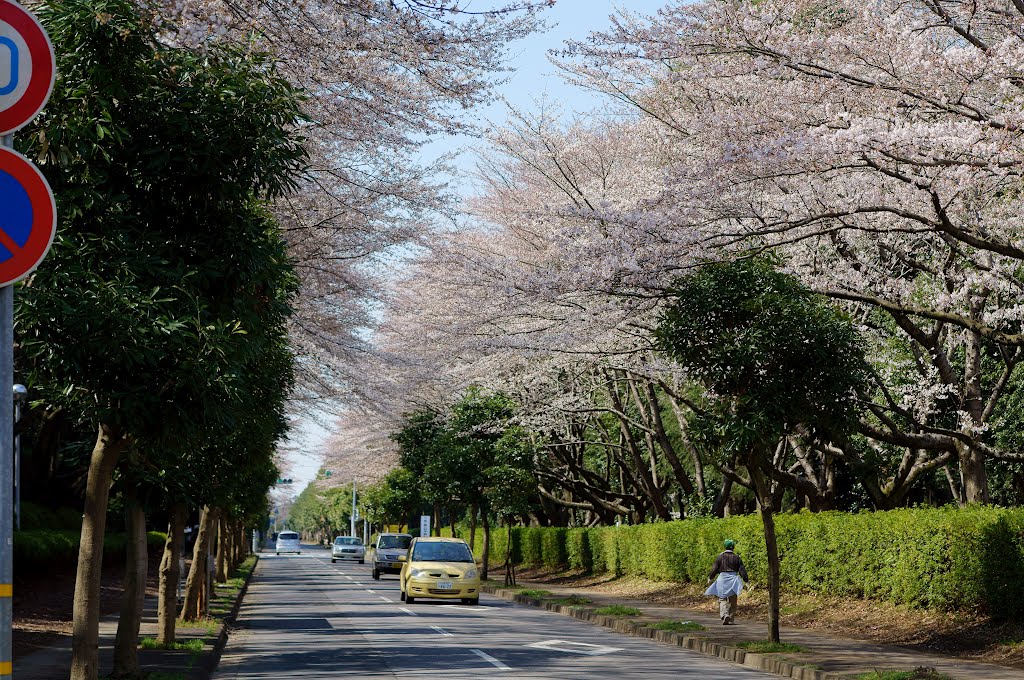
(490, 659)
(410, 613)
(442, 631)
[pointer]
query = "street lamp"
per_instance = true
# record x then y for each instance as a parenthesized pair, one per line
(20, 396)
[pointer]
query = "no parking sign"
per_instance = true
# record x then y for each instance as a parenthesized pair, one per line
(27, 68)
(28, 217)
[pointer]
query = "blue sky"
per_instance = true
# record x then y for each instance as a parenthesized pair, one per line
(535, 77)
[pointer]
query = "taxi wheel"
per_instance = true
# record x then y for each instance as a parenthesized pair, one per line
(401, 595)
(333, 560)
(376, 575)
(362, 561)
(409, 600)
(471, 600)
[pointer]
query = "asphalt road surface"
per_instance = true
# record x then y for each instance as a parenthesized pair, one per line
(304, 617)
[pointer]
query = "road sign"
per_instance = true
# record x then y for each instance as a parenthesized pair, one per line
(28, 217)
(27, 67)
(424, 525)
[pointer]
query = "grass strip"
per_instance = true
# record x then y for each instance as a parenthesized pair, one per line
(617, 610)
(194, 645)
(765, 647)
(537, 594)
(677, 626)
(919, 673)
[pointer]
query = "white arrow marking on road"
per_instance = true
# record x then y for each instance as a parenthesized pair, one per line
(442, 631)
(491, 660)
(584, 648)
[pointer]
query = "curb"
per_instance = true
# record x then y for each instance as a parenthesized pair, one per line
(209, 663)
(769, 663)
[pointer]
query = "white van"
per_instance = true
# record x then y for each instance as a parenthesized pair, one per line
(288, 541)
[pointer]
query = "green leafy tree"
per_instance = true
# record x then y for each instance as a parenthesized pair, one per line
(775, 360)
(132, 326)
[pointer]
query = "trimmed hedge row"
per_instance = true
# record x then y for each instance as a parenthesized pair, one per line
(40, 548)
(942, 558)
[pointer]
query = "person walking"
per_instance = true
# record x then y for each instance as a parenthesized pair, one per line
(726, 578)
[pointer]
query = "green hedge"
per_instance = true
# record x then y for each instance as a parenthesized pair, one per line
(943, 558)
(42, 548)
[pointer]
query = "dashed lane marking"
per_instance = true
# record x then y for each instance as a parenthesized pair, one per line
(409, 612)
(386, 599)
(442, 631)
(491, 660)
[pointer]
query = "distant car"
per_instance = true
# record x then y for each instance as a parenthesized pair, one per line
(348, 548)
(288, 541)
(387, 553)
(441, 568)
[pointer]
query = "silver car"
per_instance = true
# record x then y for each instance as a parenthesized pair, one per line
(288, 541)
(348, 548)
(387, 550)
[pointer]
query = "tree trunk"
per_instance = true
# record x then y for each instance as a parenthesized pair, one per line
(451, 521)
(170, 573)
(223, 546)
(126, 642)
(486, 555)
(974, 475)
(435, 528)
(195, 586)
(472, 527)
(766, 504)
(86, 609)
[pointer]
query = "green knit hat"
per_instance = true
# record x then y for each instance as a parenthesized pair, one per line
(729, 544)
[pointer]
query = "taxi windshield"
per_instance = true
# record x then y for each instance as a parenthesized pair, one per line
(442, 552)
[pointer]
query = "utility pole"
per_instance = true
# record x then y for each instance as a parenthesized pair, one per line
(352, 519)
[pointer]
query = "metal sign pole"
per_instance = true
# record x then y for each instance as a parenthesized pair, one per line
(352, 518)
(6, 469)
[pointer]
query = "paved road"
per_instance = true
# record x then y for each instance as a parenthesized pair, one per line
(304, 617)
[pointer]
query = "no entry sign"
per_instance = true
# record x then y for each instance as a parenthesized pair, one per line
(27, 67)
(28, 217)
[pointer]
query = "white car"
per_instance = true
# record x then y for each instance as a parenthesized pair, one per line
(288, 541)
(348, 548)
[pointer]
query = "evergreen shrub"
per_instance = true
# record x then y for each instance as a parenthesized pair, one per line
(943, 558)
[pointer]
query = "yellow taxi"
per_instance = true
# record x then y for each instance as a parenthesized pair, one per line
(441, 568)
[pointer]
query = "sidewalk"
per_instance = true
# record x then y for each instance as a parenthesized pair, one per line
(826, 657)
(55, 661)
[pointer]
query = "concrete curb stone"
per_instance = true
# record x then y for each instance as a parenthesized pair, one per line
(765, 662)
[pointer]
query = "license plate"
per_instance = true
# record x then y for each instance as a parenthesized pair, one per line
(444, 585)
(396, 564)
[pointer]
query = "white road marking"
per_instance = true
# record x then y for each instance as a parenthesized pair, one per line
(463, 607)
(370, 591)
(386, 599)
(491, 660)
(410, 613)
(442, 631)
(584, 648)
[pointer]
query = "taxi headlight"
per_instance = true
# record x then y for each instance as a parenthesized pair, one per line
(416, 573)
(471, 574)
